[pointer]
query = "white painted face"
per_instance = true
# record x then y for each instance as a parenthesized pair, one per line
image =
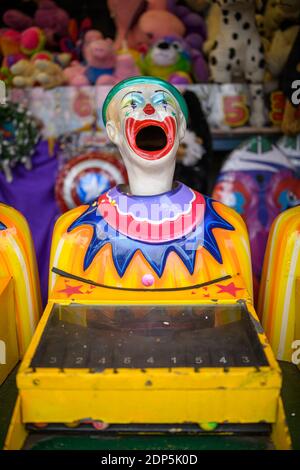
(147, 124)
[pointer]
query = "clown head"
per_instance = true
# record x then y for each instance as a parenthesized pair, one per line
(146, 118)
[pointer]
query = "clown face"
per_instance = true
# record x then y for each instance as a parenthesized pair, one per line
(146, 123)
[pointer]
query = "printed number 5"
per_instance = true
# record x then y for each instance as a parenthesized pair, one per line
(236, 113)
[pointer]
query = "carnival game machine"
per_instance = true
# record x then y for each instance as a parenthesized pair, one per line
(150, 326)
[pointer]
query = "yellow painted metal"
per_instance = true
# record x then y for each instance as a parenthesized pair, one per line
(17, 433)
(69, 249)
(9, 351)
(297, 303)
(176, 395)
(278, 299)
(148, 404)
(280, 431)
(17, 261)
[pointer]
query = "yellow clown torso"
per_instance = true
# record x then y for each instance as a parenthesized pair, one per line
(176, 240)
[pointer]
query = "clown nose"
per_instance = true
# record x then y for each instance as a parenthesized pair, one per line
(148, 109)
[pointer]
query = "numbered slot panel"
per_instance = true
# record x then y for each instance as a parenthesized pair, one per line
(144, 337)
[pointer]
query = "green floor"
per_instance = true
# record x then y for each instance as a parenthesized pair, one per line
(291, 398)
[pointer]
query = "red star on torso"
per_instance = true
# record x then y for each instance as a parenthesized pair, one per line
(70, 290)
(231, 289)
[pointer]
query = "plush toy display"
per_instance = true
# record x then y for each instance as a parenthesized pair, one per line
(32, 40)
(10, 47)
(17, 20)
(194, 23)
(172, 59)
(237, 51)
(153, 25)
(259, 182)
(37, 71)
(279, 49)
(277, 13)
(48, 17)
(168, 59)
(100, 62)
(141, 25)
(103, 66)
(53, 20)
(77, 32)
(100, 59)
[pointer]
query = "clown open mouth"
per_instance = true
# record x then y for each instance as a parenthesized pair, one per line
(151, 139)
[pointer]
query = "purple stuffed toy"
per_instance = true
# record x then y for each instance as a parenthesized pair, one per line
(195, 25)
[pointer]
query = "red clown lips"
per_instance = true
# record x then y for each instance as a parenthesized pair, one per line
(151, 139)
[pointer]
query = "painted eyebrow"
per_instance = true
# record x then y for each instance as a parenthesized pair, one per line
(130, 92)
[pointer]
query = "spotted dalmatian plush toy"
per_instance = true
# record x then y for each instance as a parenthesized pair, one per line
(237, 52)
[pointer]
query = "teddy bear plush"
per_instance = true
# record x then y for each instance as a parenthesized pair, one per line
(168, 59)
(23, 73)
(99, 63)
(141, 23)
(194, 23)
(100, 59)
(48, 74)
(171, 59)
(102, 65)
(42, 72)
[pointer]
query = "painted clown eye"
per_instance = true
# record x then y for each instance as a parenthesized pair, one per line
(133, 100)
(159, 98)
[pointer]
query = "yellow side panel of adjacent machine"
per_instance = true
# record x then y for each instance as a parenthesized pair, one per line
(9, 352)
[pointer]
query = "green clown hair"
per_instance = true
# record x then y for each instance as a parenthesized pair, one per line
(145, 81)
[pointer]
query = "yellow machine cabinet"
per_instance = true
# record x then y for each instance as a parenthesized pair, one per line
(193, 360)
(9, 351)
(279, 300)
(20, 305)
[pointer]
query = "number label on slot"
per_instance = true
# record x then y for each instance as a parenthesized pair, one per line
(102, 360)
(198, 360)
(150, 360)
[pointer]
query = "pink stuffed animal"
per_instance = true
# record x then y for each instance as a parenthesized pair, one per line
(100, 59)
(103, 65)
(151, 25)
